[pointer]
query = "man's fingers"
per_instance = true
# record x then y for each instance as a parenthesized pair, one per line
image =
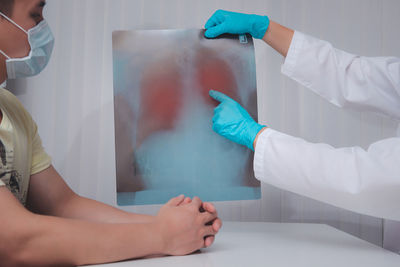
(196, 202)
(187, 200)
(219, 96)
(208, 241)
(208, 217)
(217, 224)
(176, 200)
(207, 206)
(208, 230)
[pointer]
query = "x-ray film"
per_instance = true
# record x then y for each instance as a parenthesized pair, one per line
(164, 142)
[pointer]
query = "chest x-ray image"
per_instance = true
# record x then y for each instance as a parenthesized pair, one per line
(164, 142)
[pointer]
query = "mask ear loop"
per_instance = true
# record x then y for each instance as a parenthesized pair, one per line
(15, 24)
(4, 54)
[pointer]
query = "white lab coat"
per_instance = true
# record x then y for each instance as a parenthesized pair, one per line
(365, 181)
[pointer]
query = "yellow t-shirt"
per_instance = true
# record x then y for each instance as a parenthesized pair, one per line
(21, 151)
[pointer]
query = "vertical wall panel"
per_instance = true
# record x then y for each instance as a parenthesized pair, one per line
(72, 100)
(390, 46)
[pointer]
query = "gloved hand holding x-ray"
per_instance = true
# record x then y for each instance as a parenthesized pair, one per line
(223, 21)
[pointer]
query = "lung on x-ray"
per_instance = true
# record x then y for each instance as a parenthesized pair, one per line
(164, 142)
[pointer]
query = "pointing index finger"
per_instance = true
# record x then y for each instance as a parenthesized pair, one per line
(220, 97)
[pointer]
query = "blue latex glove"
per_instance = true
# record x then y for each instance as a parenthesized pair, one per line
(232, 121)
(236, 23)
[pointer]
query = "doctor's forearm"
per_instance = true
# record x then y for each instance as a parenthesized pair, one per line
(278, 37)
(363, 181)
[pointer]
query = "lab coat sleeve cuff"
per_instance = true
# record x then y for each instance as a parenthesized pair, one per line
(260, 165)
(296, 46)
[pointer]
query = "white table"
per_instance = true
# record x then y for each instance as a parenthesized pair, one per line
(278, 244)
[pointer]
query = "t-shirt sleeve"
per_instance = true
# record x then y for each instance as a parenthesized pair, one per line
(40, 159)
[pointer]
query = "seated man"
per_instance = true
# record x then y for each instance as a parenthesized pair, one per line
(58, 227)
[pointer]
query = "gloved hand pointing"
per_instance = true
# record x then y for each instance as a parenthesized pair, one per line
(232, 121)
(236, 23)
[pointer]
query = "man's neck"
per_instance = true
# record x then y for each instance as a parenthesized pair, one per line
(3, 69)
(3, 77)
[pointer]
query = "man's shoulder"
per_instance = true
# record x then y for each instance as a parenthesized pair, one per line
(9, 100)
(15, 110)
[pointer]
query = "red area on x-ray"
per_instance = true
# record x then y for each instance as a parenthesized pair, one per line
(161, 97)
(214, 73)
(162, 87)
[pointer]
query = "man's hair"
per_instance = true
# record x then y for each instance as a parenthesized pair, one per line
(6, 6)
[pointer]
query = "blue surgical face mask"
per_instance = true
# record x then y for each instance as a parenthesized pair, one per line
(41, 41)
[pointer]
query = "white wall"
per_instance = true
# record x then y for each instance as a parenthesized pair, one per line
(72, 100)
